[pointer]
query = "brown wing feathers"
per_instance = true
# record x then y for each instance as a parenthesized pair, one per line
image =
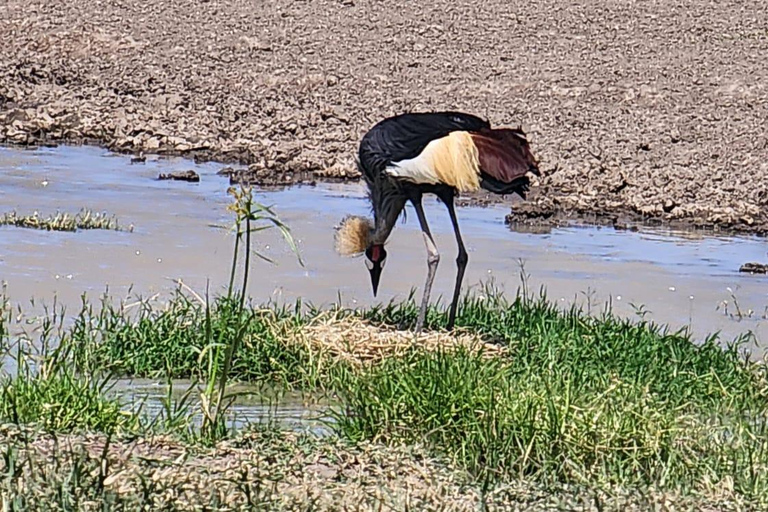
(501, 154)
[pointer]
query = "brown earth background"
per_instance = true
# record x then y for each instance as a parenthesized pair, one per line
(652, 110)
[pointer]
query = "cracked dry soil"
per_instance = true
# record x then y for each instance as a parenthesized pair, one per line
(645, 110)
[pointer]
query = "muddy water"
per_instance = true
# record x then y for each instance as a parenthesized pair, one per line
(680, 279)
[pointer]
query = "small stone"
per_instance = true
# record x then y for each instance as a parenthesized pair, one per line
(669, 205)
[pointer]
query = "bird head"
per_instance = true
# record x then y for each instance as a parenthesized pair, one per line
(376, 256)
(354, 237)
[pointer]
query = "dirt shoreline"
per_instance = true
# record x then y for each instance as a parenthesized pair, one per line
(524, 216)
(281, 471)
(646, 112)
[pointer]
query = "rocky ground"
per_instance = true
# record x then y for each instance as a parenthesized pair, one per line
(653, 110)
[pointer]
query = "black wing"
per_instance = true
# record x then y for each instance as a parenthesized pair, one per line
(406, 135)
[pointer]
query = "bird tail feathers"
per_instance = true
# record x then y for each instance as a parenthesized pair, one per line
(503, 154)
(494, 159)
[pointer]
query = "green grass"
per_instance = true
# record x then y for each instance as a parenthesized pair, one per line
(575, 399)
(175, 342)
(42, 387)
(591, 351)
(578, 399)
(62, 402)
(215, 342)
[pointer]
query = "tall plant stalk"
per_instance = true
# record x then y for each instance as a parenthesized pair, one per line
(238, 235)
(256, 217)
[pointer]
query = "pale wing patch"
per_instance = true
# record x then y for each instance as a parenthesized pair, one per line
(419, 169)
(451, 160)
(353, 235)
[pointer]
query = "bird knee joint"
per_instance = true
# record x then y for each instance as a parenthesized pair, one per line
(462, 259)
(433, 258)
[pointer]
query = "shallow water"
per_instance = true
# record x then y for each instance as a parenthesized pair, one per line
(681, 279)
(252, 405)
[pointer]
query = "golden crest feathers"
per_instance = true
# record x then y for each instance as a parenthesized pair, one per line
(352, 235)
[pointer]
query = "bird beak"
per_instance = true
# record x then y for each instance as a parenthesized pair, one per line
(375, 276)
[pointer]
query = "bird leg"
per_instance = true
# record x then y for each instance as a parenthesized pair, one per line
(433, 258)
(461, 260)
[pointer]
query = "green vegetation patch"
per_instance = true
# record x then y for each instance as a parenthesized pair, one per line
(62, 403)
(551, 397)
(180, 339)
(575, 399)
(521, 393)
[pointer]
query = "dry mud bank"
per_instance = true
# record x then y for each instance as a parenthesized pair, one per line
(637, 110)
(275, 471)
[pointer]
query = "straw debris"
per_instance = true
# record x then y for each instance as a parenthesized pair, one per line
(357, 341)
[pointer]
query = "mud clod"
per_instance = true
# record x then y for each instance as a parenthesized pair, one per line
(754, 268)
(190, 176)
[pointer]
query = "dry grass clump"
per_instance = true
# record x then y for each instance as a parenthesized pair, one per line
(359, 342)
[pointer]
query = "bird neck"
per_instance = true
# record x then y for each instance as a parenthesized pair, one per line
(387, 201)
(381, 231)
(385, 219)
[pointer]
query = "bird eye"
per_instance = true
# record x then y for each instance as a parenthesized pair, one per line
(369, 264)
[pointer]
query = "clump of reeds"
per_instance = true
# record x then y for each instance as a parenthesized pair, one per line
(85, 219)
